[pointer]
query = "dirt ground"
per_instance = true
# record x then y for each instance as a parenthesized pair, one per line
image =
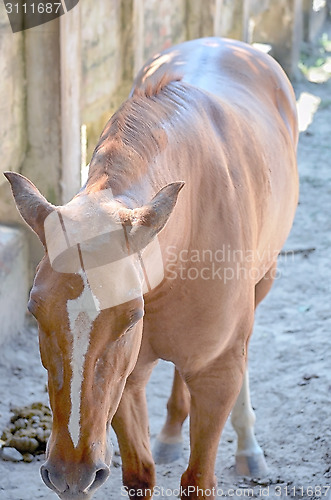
(290, 360)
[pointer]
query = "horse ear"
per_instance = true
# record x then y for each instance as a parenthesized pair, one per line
(148, 220)
(33, 207)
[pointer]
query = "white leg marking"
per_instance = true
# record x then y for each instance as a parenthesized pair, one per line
(243, 420)
(81, 313)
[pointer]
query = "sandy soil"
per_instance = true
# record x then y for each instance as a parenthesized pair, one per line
(289, 360)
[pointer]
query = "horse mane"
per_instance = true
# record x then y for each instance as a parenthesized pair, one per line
(135, 134)
(154, 84)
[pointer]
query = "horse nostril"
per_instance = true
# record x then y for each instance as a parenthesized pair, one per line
(57, 481)
(101, 476)
(45, 475)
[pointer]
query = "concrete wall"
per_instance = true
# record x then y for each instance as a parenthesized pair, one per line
(14, 280)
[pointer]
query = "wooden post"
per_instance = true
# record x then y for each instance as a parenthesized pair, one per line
(231, 19)
(314, 16)
(70, 103)
(280, 25)
(138, 27)
(42, 67)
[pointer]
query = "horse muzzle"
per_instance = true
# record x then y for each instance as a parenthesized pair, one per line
(77, 482)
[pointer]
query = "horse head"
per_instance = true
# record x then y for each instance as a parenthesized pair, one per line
(87, 298)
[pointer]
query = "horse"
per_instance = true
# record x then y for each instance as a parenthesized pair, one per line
(165, 253)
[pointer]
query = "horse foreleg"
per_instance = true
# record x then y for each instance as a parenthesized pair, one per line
(250, 460)
(131, 426)
(168, 445)
(213, 392)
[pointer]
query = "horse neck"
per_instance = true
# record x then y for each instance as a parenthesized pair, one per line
(137, 153)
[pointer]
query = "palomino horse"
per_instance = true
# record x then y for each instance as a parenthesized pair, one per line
(135, 271)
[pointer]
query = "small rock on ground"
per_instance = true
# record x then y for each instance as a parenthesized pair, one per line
(11, 455)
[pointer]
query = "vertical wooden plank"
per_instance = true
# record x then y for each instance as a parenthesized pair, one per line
(106, 55)
(280, 25)
(126, 40)
(245, 20)
(200, 18)
(192, 18)
(217, 17)
(315, 14)
(138, 25)
(42, 72)
(164, 25)
(70, 45)
(231, 19)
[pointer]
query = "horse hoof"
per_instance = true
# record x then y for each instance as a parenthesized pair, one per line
(165, 453)
(252, 466)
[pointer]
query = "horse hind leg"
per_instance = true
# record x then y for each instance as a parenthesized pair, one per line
(250, 459)
(168, 445)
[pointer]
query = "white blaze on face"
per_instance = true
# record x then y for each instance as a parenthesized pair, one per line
(81, 313)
